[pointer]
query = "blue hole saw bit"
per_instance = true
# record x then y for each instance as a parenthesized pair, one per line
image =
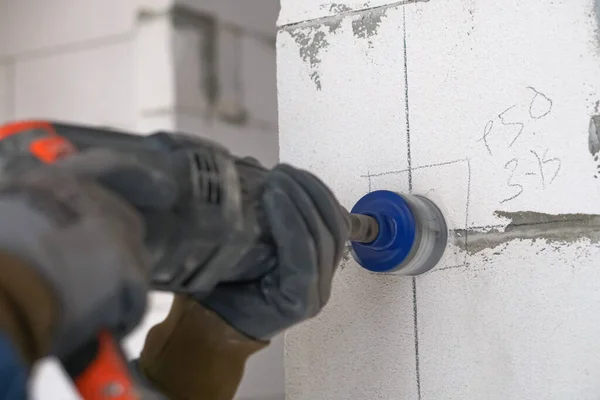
(397, 233)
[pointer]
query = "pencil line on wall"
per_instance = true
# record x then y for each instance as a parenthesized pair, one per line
(467, 207)
(410, 188)
(412, 168)
(416, 325)
(406, 107)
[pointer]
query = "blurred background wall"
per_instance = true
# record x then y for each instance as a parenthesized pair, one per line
(205, 67)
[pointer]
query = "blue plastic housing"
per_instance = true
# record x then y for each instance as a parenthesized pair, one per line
(397, 231)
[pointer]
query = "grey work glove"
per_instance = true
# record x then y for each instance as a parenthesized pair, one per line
(309, 233)
(84, 240)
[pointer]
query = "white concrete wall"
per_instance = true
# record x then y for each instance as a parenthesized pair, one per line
(125, 64)
(399, 96)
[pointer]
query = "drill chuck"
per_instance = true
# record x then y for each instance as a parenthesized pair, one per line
(394, 233)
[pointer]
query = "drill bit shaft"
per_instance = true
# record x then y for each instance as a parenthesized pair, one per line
(363, 228)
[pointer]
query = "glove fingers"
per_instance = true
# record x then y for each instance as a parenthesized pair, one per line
(296, 252)
(326, 204)
(310, 213)
(141, 183)
(329, 210)
(325, 244)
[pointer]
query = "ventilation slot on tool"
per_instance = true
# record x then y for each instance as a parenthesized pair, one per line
(208, 178)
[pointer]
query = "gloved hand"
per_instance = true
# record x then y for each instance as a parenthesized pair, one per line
(194, 354)
(309, 232)
(85, 243)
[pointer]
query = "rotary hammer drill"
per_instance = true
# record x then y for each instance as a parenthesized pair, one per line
(216, 220)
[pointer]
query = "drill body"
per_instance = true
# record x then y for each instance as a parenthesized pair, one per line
(215, 220)
(203, 238)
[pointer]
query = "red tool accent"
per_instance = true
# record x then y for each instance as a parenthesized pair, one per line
(107, 377)
(43, 141)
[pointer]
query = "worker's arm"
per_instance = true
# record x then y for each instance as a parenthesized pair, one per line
(200, 350)
(28, 310)
(194, 354)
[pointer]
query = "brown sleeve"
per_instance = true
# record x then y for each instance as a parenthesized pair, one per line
(193, 354)
(28, 308)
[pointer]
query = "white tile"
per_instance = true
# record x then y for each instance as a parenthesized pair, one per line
(259, 79)
(6, 93)
(94, 86)
(513, 318)
(256, 15)
(518, 324)
(460, 91)
(36, 24)
(154, 64)
(518, 320)
(240, 140)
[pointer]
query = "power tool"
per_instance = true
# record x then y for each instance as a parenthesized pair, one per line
(217, 217)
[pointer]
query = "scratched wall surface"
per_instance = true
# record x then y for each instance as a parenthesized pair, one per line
(485, 107)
